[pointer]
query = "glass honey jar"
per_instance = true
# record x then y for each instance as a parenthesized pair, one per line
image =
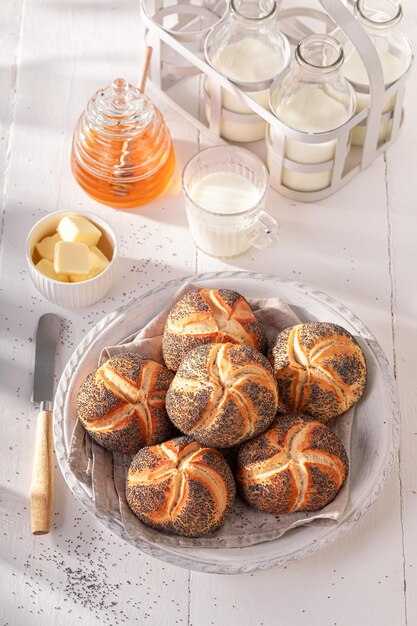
(122, 152)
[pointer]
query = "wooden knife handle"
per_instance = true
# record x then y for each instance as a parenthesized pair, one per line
(42, 488)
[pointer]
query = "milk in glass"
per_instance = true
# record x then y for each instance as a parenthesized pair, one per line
(221, 229)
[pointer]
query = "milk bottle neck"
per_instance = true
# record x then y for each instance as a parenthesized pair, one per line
(378, 17)
(319, 58)
(254, 13)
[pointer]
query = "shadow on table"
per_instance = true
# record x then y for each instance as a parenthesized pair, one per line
(15, 507)
(169, 207)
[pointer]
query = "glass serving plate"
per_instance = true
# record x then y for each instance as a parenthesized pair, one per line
(375, 434)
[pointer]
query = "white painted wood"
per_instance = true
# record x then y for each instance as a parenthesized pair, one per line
(402, 220)
(10, 22)
(358, 245)
(79, 571)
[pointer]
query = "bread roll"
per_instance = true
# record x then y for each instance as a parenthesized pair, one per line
(180, 487)
(209, 316)
(223, 394)
(296, 465)
(320, 370)
(122, 403)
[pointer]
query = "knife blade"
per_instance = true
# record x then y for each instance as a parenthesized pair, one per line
(47, 337)
(42, 486)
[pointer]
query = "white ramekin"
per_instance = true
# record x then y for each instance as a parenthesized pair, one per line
(72, 295)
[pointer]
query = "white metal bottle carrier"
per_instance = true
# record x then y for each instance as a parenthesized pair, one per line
(177, 32)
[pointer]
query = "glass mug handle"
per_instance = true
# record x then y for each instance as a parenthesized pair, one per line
(265, 232)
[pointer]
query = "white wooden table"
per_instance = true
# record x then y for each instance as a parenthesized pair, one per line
(359, 246)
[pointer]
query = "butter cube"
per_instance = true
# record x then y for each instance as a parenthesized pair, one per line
(46, 247)
(72, 258)
(78, 278)
(47, 268)
(98, 261)
(79, 229)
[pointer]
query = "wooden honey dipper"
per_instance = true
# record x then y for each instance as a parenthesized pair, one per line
(118, 187)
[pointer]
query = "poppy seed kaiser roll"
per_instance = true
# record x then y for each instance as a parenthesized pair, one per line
(223, 394)
(320, 370)
(298, 464)
(122, 403)
(209, 316)
(180, 487)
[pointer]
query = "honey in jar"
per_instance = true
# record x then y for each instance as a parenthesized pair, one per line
(122, 152)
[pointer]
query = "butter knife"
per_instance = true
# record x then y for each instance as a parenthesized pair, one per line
(42, 486)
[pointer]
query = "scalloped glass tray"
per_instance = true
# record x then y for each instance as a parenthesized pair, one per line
(375, 432)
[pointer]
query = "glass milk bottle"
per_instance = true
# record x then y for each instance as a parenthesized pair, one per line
(247, 47)
(379, 18)
(313, 97)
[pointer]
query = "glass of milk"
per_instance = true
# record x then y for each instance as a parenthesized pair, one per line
(380, 19)
(313, 97)
(225, 189)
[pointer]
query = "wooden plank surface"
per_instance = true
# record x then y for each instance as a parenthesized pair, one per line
(402, 220)
(359, 246)
(10, 24)
(80, 571)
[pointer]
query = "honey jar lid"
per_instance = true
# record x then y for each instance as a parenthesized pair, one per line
(120, 109)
